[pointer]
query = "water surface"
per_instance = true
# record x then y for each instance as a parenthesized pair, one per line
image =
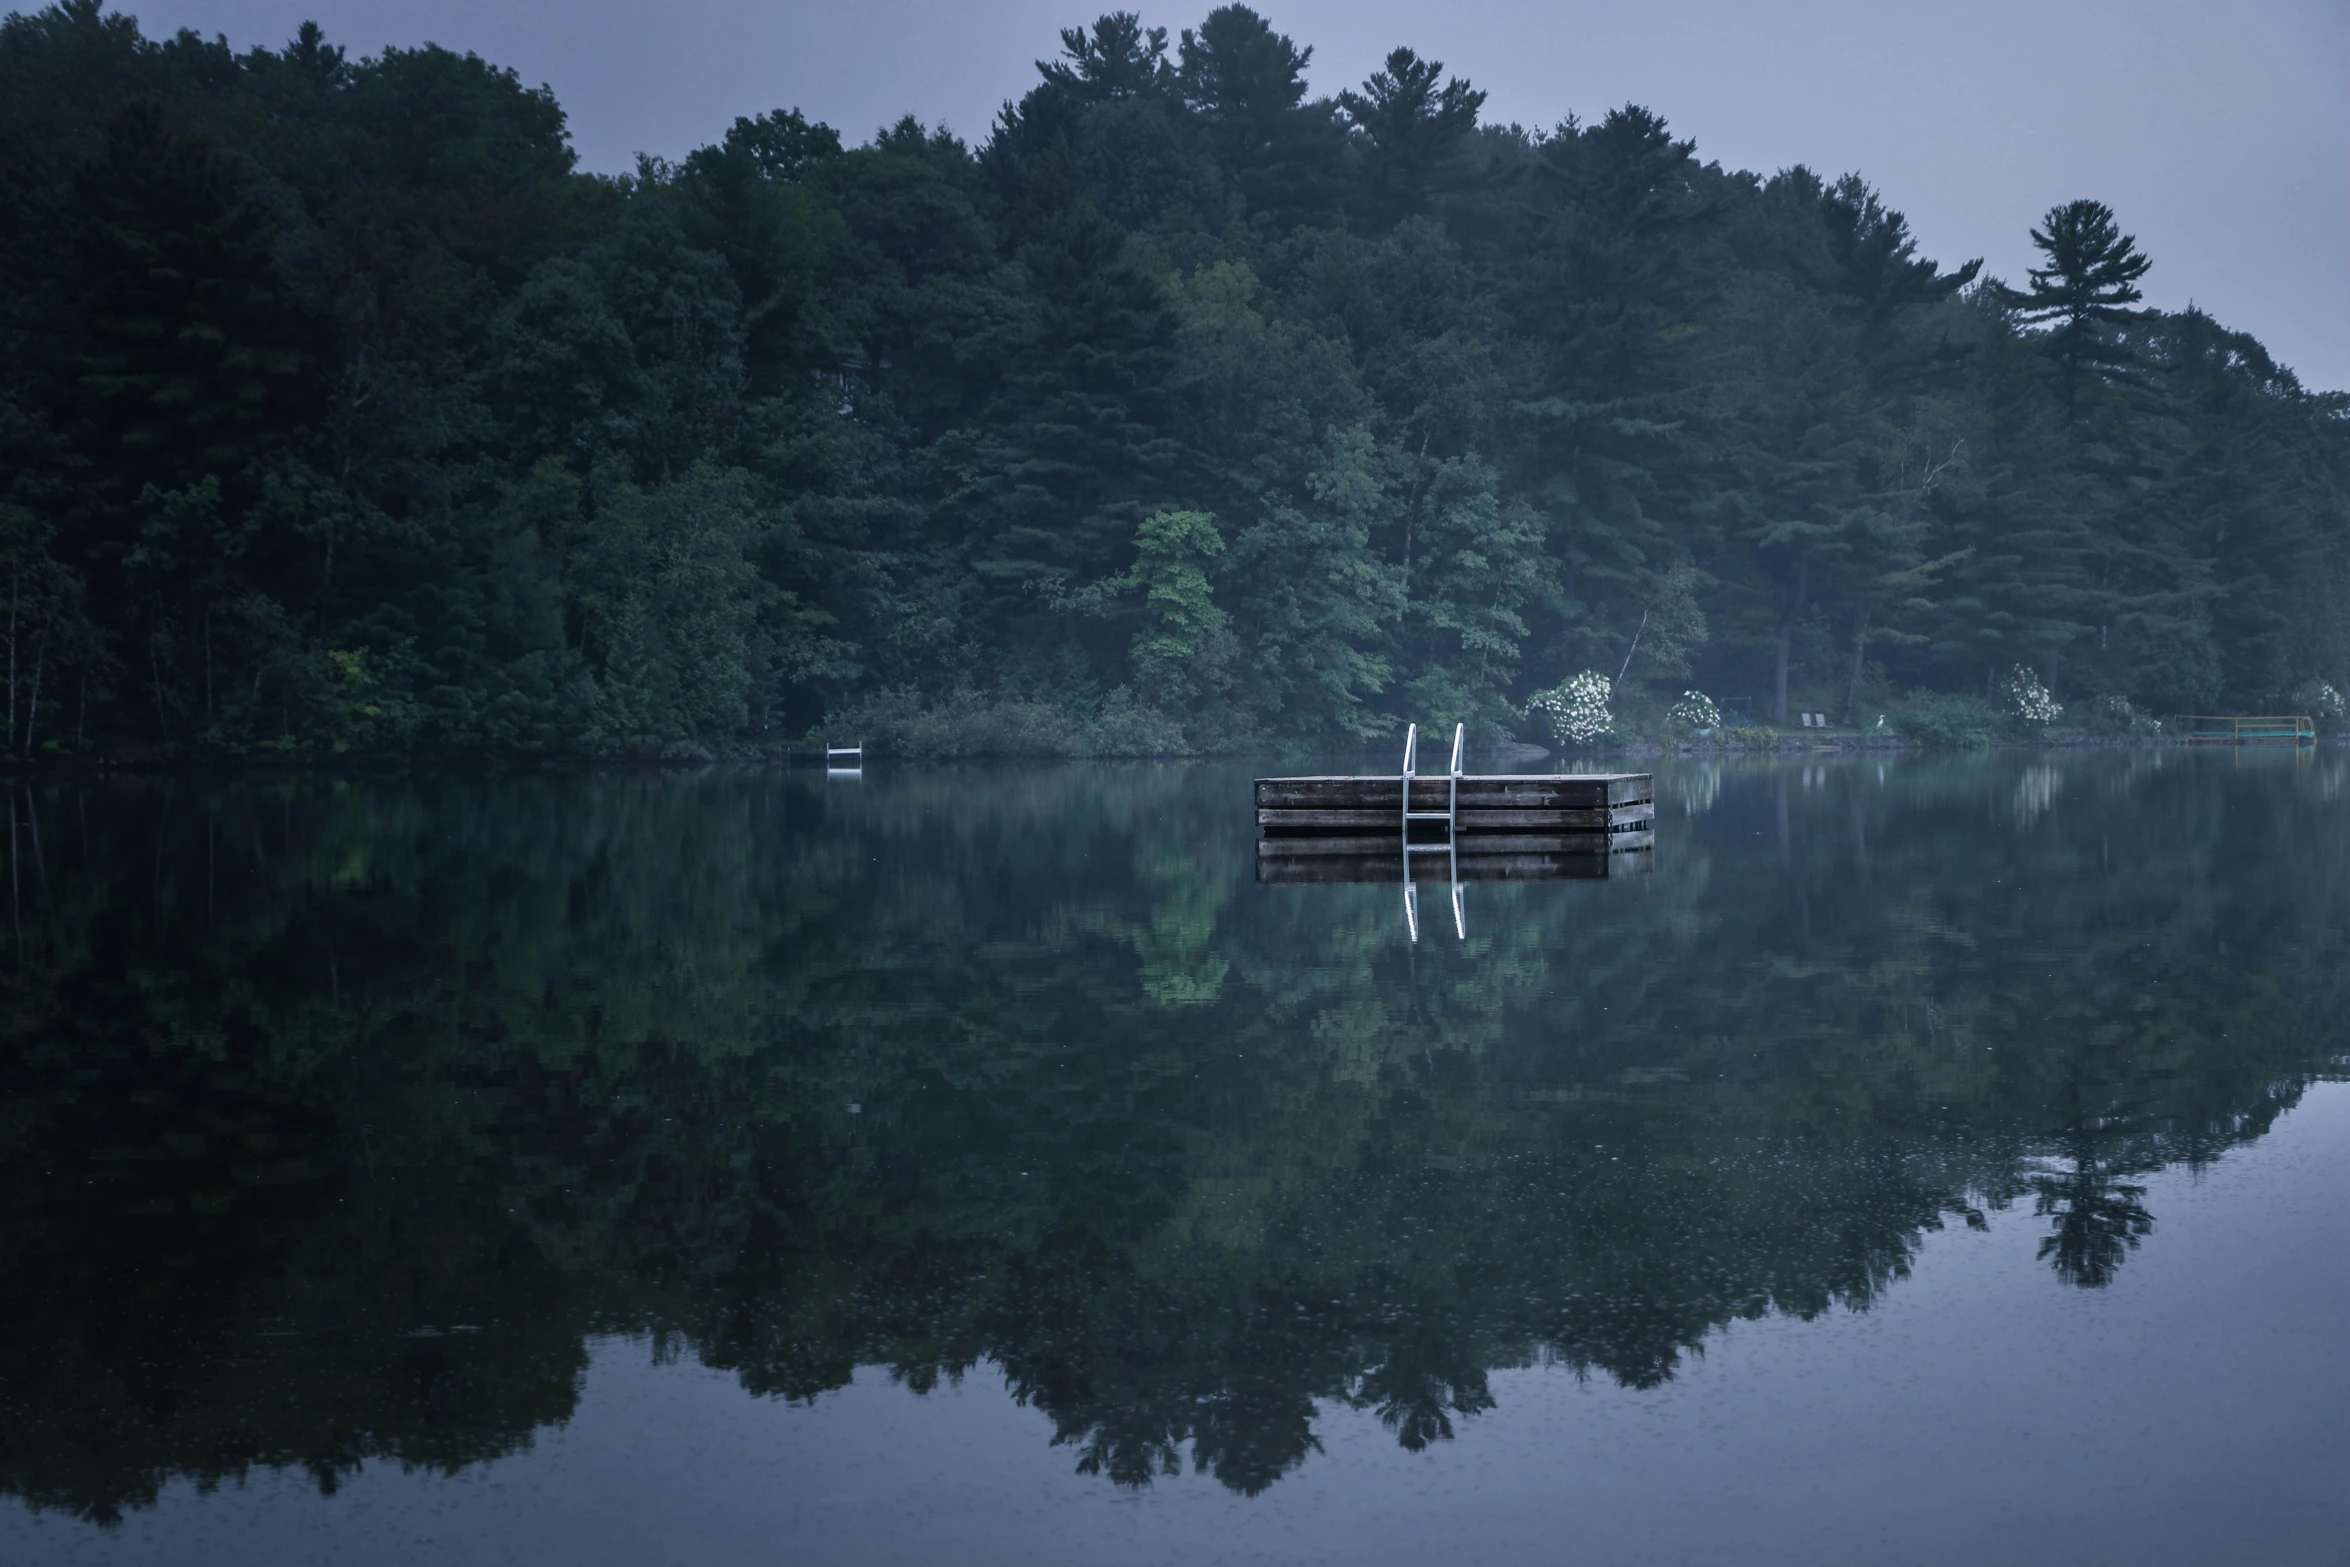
(1929, 1161)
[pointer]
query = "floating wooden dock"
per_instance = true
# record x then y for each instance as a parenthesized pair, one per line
(1411, 827)
(2211, 729)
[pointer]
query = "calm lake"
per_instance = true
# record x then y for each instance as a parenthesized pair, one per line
(1928, 1161)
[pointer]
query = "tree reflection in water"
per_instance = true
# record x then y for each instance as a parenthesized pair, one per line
(339, 1117)
(2099, 1218)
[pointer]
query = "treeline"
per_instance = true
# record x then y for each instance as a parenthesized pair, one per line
(339, 412)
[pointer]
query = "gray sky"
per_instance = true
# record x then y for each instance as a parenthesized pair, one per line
(2220, 133)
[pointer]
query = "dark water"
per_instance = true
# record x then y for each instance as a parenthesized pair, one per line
(1930, 1161)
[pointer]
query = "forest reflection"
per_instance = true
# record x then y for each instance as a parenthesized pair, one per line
(338, 1117)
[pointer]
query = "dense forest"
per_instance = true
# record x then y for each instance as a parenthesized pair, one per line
(340, 412)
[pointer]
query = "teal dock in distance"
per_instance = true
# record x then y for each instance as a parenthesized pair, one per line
(2210, 729)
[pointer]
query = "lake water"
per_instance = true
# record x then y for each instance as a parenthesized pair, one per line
(1929, 1161)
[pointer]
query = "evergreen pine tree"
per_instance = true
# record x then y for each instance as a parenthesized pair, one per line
(191, 364)
(1247, 83)
(2083, 293)
(1413, 131)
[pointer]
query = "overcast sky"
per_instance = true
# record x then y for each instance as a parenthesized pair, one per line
(2220, 133)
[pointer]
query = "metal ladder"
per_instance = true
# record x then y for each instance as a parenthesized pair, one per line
(1450, 816)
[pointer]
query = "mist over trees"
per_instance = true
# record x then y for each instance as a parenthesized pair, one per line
(340, 412)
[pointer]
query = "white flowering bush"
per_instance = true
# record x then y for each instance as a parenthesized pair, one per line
(2118, 715)
(1577, 711)
(2320, 700)
(1695, 710)
(2029, 700)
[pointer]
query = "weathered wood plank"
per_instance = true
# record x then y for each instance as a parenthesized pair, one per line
(1390, 845)
(1561, 843)
(1532, 792)
(1374, 820)
(1486, 843)
(1472, 818)
(1473, 785)
(1335, 868)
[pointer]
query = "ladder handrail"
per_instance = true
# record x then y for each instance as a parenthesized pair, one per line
(1411, 751)
(1452, 833)
(1452, 838)
(1452, 788)
(1403, 826)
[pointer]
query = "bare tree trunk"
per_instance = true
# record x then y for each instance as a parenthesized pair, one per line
(1634, 648)
(33, 709)
(1403, 606)
(1779, 698)
(208, 663)
(1787, 631)
(12, 580)
(155, 672)
(32, 821)
(326, 570)
(1860, 647)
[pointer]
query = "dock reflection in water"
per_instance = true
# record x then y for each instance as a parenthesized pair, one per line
(341, 1117)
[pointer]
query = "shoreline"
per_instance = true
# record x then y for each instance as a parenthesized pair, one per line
(813, 756)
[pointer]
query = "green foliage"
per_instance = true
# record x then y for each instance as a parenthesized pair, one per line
(189, 356)
(675, 605)
(303, 355)
(1414, 133)
(1171, 550)
(1941, 719)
